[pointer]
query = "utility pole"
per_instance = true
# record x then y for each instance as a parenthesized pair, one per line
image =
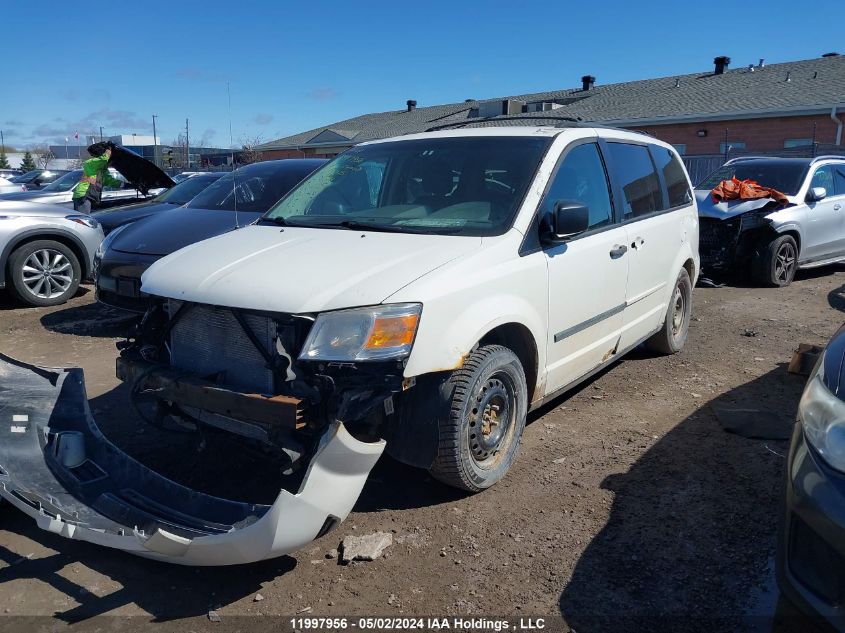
(187, 147)
(2, 143)
(155, 142)
(101, 134)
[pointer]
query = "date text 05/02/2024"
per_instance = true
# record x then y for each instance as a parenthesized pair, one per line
(416, 623)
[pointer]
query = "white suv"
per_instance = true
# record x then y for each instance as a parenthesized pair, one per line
(418, 294)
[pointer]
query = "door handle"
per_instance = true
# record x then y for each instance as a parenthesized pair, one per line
(837, 206)
(618, 251)
(637, 243)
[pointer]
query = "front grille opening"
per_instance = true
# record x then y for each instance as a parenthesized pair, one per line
(208, 340)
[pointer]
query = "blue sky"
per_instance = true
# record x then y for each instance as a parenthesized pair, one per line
(76, 65)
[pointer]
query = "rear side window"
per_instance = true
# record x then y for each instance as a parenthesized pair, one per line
(635, 172)
(581, 177)
(674, 176)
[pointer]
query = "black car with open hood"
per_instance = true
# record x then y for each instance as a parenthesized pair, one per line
(143, 174)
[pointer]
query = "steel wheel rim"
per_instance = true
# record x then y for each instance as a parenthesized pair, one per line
(491, 418)
(679, 312)
(47, 273)
(784, 262)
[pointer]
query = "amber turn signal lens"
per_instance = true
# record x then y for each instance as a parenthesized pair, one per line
(392, 331)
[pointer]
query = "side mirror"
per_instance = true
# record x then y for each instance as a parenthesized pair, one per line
(816, 193)
(569, 218)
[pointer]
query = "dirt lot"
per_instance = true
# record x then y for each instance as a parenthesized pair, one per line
(627, 499)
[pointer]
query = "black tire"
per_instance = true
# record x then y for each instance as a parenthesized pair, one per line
(34, 262)
(672, 336)
(468, 456)
(776, 262)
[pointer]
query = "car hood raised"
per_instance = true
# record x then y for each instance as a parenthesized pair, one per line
(707, 208)
(299, 270)
(168, 231)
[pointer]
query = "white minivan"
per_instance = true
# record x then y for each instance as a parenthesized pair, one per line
(417, 295)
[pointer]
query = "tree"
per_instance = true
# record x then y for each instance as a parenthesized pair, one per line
(4, 162)
(44, 156)
(27, 164)
(176, 159)
(249, 149)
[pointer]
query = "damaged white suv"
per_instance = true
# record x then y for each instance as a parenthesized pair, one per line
(417, 295)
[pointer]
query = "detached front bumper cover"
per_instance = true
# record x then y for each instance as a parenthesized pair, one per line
(57, 467)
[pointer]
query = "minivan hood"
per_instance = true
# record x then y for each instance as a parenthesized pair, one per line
(170, 230)
(298, 270)
(707, 208)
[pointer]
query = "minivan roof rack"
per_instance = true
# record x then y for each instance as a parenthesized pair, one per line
(563, 121)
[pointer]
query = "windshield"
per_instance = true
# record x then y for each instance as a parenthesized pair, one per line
(185, 191)
(786, 177)
(457, 185)
(66, 182)
(259, 186)
(28, 176)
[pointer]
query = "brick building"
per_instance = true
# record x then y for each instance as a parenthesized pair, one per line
(790, 108)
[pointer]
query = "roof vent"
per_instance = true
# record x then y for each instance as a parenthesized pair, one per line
(751, 68)
(411, 104)
(788, 76)
(762, 63)
(722, 64)
(587, 82)
(677, 82)
(831, 55)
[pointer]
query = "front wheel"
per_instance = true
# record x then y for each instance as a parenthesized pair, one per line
(44, 273)
(777, 263)
(673, 333)
(480, 435)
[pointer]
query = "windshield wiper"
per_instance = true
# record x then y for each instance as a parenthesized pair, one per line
(279, 221)
(356, 225)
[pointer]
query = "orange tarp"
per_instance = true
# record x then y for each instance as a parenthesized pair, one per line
(735, 189)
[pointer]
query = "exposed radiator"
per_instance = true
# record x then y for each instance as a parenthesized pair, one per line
(208, 339)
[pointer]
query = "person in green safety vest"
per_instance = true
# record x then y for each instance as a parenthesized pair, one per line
(86, 195)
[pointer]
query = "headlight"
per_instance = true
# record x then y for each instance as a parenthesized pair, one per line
(84, 220)
(823, 415)
(104, 245)
(378, 333)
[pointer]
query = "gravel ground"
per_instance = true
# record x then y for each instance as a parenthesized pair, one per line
(627, 508)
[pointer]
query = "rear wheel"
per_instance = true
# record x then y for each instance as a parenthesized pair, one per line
(672, 335)
(44, 273)
(480, 435)
(777, 262)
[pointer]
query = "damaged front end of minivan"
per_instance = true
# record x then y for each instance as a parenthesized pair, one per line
(291, 383)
